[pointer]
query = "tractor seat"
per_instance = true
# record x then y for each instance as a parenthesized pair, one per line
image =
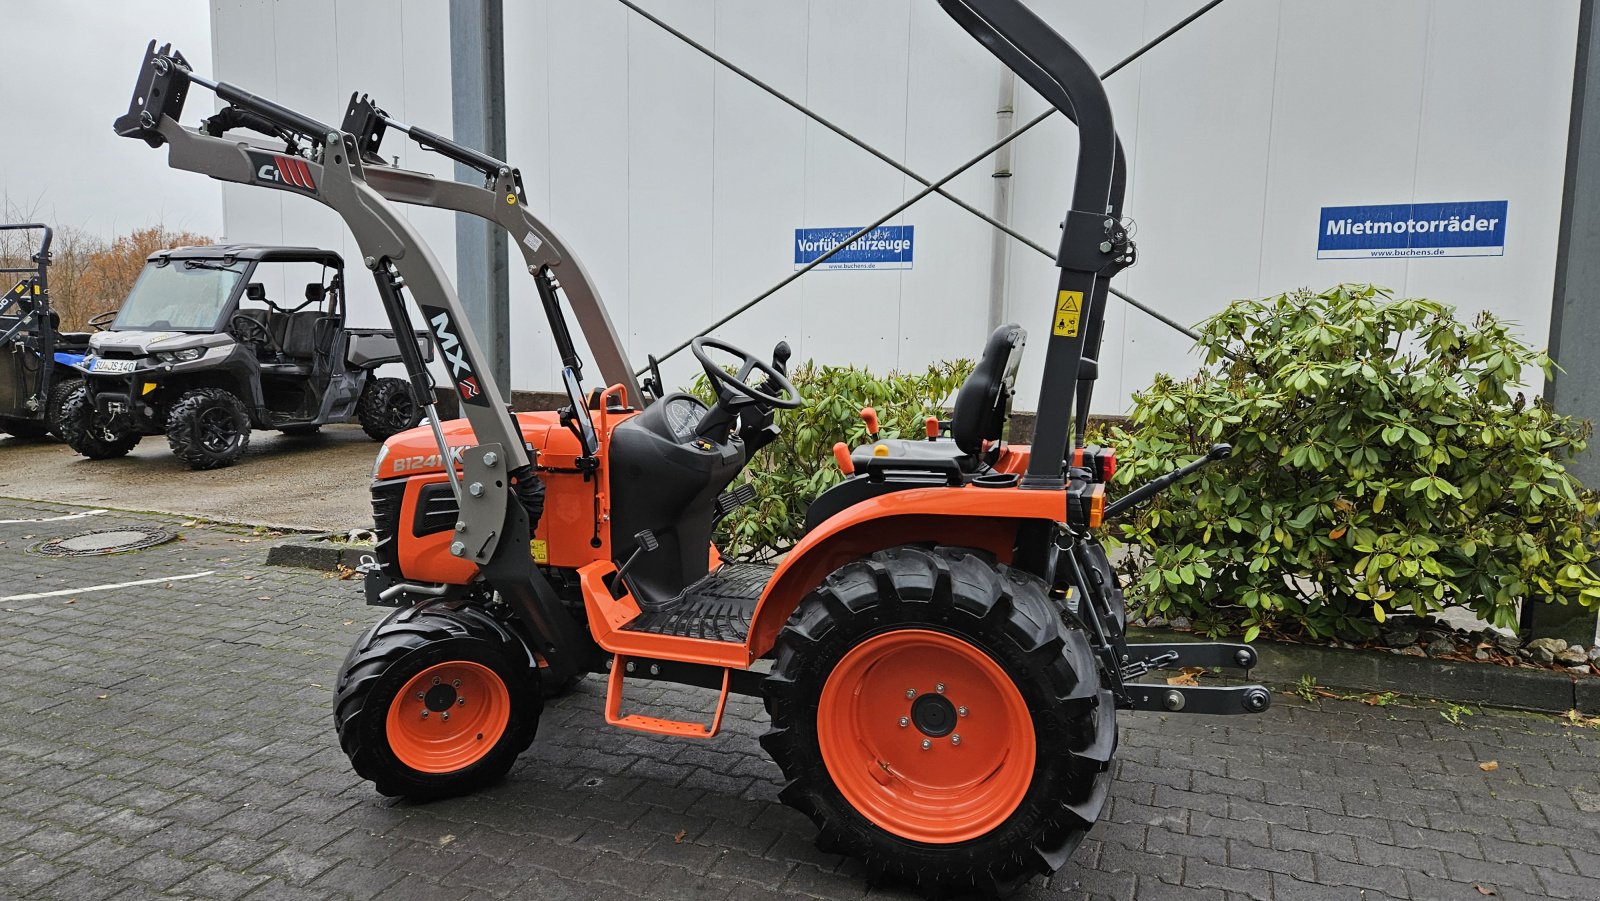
(983, 406)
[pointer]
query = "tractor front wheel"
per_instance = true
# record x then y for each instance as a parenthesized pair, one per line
(936, 718)
(436, 702)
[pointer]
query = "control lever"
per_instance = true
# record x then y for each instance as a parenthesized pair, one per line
(780, 357)
(647, 542)
(1160, 483)
(870, 417)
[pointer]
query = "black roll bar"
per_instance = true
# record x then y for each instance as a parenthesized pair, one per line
(1094, 244)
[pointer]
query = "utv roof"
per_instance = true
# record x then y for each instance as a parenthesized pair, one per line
(253, 252)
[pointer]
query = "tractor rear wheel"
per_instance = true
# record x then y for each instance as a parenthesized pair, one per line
(436, 702)
(936, 718)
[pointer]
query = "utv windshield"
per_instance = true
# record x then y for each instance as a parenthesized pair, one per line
(182, 296)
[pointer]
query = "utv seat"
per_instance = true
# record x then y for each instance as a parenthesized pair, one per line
(279, 326)
(983, 405)
(300, 334)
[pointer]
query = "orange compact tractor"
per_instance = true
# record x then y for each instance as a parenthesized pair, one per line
(946, 643)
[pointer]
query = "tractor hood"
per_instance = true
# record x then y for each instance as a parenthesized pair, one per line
(146, 343)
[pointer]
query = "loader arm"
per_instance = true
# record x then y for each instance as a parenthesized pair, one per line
(500, 200)
(324, 164)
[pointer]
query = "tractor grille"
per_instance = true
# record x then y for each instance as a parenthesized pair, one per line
(437, 510)
(386, 500)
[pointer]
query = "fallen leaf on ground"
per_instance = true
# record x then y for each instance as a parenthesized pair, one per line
(678, 839)
(446, 839)
(102, 697)
(1482, 890)
(1490, 766)
(1189, 675)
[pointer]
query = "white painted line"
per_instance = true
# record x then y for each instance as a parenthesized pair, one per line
(7, 522)
(67, 591)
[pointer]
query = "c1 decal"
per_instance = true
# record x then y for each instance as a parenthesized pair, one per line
(278, 170)
(455, 356)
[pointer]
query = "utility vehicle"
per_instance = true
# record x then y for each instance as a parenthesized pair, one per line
(946, 643)
(36, 357)
(211, 344)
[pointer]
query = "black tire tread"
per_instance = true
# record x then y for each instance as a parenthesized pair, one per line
(58, 402)
(183, 428)
(1009, 614)
(376, 409)
(388, 644)
(77, 415)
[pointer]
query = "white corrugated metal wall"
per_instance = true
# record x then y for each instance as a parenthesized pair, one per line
(681, 186)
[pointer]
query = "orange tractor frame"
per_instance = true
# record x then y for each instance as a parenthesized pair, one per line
(945, 642)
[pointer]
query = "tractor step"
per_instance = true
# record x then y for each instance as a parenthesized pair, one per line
(653, 724)
(716, 608)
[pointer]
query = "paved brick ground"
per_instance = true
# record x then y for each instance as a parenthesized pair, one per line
(175, 740)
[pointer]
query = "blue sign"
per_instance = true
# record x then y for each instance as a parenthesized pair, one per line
(885, 247)
(1473, 228)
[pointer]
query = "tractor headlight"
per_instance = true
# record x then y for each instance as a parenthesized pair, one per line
(181, 356)
(377, 465)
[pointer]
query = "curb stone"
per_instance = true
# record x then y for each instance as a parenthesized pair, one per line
(1282, 664)
(316, 552)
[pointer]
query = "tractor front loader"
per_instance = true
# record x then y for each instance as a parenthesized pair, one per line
(946, 641)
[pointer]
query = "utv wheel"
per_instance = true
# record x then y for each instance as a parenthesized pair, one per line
(436, 702)
(87, 433)
(29, 429)
(936, 718)
(387, 409)
(58, 405)
(208, 428)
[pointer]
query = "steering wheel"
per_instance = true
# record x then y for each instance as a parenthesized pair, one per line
(730, 387)
(100, 321)
(250, 331)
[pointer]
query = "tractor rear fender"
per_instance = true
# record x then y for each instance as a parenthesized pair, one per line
(968, 516)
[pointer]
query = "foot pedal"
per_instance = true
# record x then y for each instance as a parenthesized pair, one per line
(653, 724)
(729, 501)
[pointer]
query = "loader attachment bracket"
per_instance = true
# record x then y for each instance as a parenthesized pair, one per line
(162, 87)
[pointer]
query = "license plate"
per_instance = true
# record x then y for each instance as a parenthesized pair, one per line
(104, 365)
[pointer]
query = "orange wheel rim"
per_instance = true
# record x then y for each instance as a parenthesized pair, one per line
(448, 716)
(926, 736)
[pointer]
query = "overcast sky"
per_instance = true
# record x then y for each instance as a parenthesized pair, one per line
(69, 70)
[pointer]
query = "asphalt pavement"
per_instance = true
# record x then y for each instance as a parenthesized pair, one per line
(316, 482)
(165, 731)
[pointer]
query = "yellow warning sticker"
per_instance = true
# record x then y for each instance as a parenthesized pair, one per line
(541, 551)
(1069, 306)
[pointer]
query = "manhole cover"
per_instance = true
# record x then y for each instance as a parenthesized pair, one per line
(104, 541)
